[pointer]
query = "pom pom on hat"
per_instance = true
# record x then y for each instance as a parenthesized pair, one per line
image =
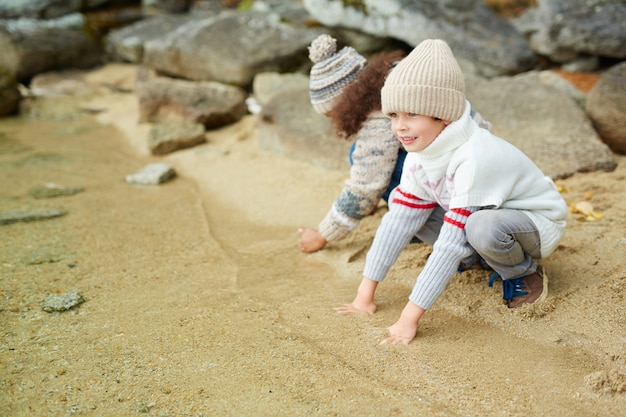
(331, 72)
(322, 48)
(428, 81)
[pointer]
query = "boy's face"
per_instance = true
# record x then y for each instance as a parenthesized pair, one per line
(415, 131)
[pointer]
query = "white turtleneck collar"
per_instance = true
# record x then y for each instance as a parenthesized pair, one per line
(454, 135)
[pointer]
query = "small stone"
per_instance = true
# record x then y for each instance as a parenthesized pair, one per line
(51, 190)
(30, 215)
(62, 302)
(152, 174)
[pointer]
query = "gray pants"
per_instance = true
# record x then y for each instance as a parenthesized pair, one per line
(507, 239)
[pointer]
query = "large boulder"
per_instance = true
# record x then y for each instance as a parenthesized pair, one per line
(543, 121)
(44, 9)
(230, 48)
(606, 106)
(565, 30)
(289, 126)
(29, 46)
(212, 104)
(127, 43)
(473, 31)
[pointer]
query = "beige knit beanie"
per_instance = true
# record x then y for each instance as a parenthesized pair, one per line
(428, 81)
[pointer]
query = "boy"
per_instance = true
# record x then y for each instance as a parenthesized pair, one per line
(488, 199)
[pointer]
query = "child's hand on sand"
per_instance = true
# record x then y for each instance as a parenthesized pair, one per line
(400, 333)
(364, 300)
(404, 330)
(311, 240)
(353, 308)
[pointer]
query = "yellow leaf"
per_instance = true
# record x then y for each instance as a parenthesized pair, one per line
(584, 207)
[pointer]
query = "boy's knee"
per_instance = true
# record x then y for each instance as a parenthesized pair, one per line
(478, 229)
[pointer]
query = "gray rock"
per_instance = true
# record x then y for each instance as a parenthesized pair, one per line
(566, 30)
(552, 79)
(289, 126)
(152, 174)
(62, 302)
(127, 43)
(606, 106)
(38, 9)
(30, 46)
(51, 190)
(544, 122)
(268, 85)
(212, 104)
(30, 215)
(473, 31)
(230, 48)
(165, 138)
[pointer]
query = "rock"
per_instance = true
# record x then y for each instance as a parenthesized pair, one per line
(31, 46)
(288, 125)
(268, 85)
(541, 120)
(152, 174)
(552, 79)
(230, 48)
(30, 215)
(539, 112)
(169, 137)
(127, 43)
(50, 190)
(44, 9)
(212, 104)
(566, 30)
(606, 106)
(62, 302)
(473, 31)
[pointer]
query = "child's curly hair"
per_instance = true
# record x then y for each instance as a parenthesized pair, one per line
(362, 96)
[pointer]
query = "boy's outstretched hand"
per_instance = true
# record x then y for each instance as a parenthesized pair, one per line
(404, 330)
(353, 308)
(364, 300)
(311, 240)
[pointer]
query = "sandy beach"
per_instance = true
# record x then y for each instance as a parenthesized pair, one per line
(198, 301)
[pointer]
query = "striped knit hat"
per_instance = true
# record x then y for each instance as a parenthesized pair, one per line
(331, 72)
(428, 81)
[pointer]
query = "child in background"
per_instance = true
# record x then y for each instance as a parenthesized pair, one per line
(491, 200)
(346, 88)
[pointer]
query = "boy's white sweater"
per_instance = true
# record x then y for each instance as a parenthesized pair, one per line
(464, 169)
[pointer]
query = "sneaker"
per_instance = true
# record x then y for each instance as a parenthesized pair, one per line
(530, 289)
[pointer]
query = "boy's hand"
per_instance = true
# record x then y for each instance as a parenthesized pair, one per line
(311, 240)
(364, 300)
(404, 330)
(400, 333)
(356, 308)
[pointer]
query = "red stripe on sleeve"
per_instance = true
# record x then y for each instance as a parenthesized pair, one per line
(456, 223)
(424, 205)
(461, 211)
(416, 203)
